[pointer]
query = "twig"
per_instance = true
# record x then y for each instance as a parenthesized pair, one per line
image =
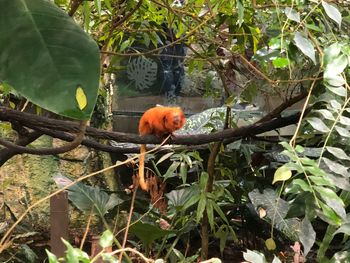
(128, 223)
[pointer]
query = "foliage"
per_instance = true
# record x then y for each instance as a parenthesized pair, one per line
(47, 58)
(75, 255)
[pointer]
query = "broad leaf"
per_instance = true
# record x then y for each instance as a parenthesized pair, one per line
(240, 11)
(46, 56)
(331, 52)
(340, 91)
(318, 124)
(336, 66)
(292, 14)
(345, 228)
(336, 167)
(338, 153)
(307, 235)
(342, 131)
(270, 244)
(280, 62)
(332, 12)
(340, 257)
(178, 198)
(106, 240)
(276, 211)
(333, 80)
(326, 114)
(147, 233)
(283, 173)
(52, 258)
(254, 256)
(332, 200)
(305, 46)
(87, 198)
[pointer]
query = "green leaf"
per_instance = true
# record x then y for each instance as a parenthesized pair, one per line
(340, 91)
(109, 258)
(98, 6)
(333, 80)
(331, 52)
(201, 207)
(315, 170)
(335, 105)
(332, 12)
(339, 181)
(86, 14)
(283, 173)
(345, 228)
(314, 27)
(326, 114)
(336, 167)
(147, 233)
(319, 180)
(124, 45)
(292, 14)
(342, 131)
(86, 197)
(108, 5)
(170, 172)
(280, 62)
(318, 124)
(338, 153)
(55, 54)
(203, 180)
(332, 200)
(75, 255)
(270, 244)
(240, 11)
(27, 253)
(330, 214)
(276, 209)
(210, 213)
(307, 235)
(344, 120)
(340, 257)
(178, 198)
(302, 184)
(106, 239)
(52, 257)
(336, 66)
(254, 256)
(183, 172)
(305, 46)
(164, 157)
(299, 149)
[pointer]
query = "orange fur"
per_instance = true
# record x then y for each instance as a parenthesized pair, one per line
(159, 121)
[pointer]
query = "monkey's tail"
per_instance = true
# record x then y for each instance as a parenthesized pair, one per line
(142, 182)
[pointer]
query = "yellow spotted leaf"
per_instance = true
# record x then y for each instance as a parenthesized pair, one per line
(81, 98)
(283, 173)
(270, 244)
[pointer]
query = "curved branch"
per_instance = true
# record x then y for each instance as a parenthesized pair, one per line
(7, 153)
(48, 151)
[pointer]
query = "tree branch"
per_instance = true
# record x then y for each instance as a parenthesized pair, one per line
(44, 124)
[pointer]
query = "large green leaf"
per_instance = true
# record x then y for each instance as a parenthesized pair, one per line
(147, 233)
(305, 46)
(86, 197)
(46, 57)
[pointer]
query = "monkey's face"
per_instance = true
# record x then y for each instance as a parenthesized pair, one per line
(175, 120)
